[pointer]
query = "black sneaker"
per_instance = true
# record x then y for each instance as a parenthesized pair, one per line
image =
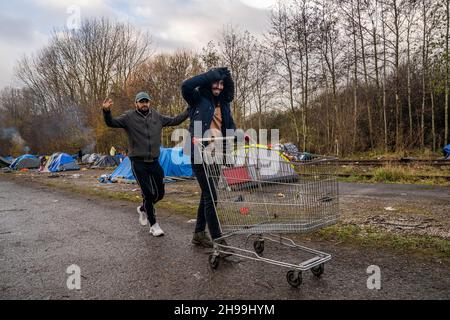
(202, 239)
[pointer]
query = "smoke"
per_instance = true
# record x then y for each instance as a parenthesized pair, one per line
(13, 135)
(89, 148)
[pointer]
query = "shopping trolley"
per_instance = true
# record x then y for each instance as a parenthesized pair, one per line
(258, 192)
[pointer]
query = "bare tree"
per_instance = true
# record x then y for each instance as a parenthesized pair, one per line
(280, 40)
(446, 82)
(236, 53)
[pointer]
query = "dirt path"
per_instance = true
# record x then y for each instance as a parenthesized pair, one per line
(43, 231)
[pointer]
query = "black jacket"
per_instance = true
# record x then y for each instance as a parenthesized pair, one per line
(144, 132)
(197, 93)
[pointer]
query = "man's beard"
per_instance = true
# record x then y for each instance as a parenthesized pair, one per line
(144, 111)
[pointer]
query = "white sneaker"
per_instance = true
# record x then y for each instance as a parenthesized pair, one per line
(156, 230)
(142, 216)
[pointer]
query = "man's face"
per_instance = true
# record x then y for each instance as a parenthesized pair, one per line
(143, 105)
(217, 87)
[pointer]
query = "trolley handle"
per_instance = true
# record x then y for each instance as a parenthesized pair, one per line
(211, 139)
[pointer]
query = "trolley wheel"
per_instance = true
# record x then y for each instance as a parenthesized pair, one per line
(318, 270)
(214, 261)
(258, 245)
(294, 278)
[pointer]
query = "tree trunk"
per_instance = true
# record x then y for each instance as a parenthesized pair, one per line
(384, 81)
(446, 77)
(408, 72)
(424, 72)
(355, 83)
(397, 80)
(433, 129)
(366, 81)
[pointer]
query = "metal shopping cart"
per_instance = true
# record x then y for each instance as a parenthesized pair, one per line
(260, 193)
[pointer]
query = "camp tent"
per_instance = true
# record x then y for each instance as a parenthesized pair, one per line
(93, 158)
(60, 162)
(26, 161)
(123, 171)
(265, 164)
(4, 162)
(447, 151)
(255, 164)
(172, 160)
(85, 158)
(175, 163)
(105, 161)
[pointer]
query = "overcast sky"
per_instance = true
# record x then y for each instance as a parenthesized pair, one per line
(26, 25)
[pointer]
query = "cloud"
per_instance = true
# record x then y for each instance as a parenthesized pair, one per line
(15, 30)
(173, 24)
(68, 3)
(192, 24)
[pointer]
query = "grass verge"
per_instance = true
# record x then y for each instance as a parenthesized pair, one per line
(395, 174)
(370, 237)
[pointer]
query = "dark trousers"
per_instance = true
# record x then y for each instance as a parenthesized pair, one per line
(206, 213)
(150, 177)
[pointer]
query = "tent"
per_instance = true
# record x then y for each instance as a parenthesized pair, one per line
(105, 161)
(60, 162)
(265, 163)
(123, 171)
(92, 158)
(255, 164)
(172, 160)
(175, 163)
(26, 161)
(85, 158)
(447, 151)
(5, 162)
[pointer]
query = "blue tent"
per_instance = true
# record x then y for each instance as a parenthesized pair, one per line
(175, 163)
(447, 151)
(172, 160)
(25, 161)
(5, 162)
(62, 162)
(123, 171)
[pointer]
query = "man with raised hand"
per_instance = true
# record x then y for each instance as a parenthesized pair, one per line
(143, 126)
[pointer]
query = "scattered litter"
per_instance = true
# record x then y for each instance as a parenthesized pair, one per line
(76, 176)
(281, 195)
(134, 190)
(326, 199)
(244, 211)
(105, 178)
(84, 169)
(54, 201)
(390, 209)
(192, 221)
(404, 194)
